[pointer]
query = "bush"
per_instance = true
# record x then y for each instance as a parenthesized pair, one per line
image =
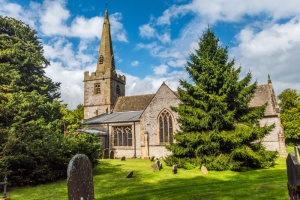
(46, 159)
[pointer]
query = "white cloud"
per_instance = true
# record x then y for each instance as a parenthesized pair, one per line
(273, 50)
(160, 70)
(134, 63)
(53, 18)
(117, 28)
(18, 12)
(147, 31)
(86, 28)
(150, 84)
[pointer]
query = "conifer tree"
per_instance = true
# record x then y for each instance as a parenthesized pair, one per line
(217, 128)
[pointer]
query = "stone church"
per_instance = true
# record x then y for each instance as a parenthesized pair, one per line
(141, 125)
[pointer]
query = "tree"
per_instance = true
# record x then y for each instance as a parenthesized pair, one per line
(33, 148)
(72, 118)
(290, 115)
(217, 128)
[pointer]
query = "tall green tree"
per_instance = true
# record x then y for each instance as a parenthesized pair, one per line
(217, 128)
(290, 115)
(72, 118)
(33, 148)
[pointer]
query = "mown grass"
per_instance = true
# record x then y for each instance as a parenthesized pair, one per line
(110, 183)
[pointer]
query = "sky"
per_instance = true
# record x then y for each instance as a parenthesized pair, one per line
(152, 39)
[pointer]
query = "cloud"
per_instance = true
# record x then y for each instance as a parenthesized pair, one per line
(150, 84)
(18, 12)
(134, 63)
(117, 28)
(160, 70)
(147, 31)
(273, 50)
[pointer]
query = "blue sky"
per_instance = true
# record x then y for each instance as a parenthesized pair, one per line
(152, 39)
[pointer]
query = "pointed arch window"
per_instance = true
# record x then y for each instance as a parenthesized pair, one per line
(165, 122)
(101, 58)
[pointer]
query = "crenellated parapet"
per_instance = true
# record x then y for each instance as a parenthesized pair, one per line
(100, 76)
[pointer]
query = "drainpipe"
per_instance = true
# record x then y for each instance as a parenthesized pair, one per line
(134, 141)
(108, 142)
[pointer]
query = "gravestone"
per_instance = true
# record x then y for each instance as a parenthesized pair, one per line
(293, 174)
(4, 183)
(152, 158)
(155, 167)
(204, 170)
(174, 169)
(123, 158)
(112, 155)
(129, 175)
(80, 178)
(105, 154)
(159, 164)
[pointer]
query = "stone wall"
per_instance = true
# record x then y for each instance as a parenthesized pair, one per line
(163, 99)
(275, 140)
(96, 104)
(127, 151)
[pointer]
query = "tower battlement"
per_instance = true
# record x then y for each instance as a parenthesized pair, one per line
(101, 76)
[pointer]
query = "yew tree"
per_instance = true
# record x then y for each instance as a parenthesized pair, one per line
(217, 127)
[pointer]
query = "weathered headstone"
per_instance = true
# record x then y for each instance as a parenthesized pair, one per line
(105, 154)
(152, 158)
(159, 164)
(155, 167)
(112, 155)
(129, 175)
(174, 169)
(293, 174)
(204, 170)
(123, 158)
(80, 178)
(4, 183)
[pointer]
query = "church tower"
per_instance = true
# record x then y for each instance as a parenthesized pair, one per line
(103, 87)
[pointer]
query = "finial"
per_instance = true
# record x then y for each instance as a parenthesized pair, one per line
(106, 4)
(269, 79)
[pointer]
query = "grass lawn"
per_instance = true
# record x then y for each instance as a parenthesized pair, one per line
(110, 183)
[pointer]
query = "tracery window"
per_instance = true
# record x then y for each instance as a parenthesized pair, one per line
(97, 89)
(165, 122)
(122, 136)
(101, 59)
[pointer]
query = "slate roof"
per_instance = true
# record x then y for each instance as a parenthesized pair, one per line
(263, 94)
(115, 117)
(133, 103)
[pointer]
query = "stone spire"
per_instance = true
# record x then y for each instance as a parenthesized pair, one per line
(106, 63)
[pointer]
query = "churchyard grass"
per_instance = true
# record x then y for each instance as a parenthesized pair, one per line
(110, 183)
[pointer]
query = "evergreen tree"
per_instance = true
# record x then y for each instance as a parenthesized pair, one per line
(217, 128)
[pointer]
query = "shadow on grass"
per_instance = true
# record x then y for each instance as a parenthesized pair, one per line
(110, 183)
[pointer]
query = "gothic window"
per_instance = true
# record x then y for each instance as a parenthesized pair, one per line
(165, 122)
(122, 136)
(101, 59)
(97, 89)
(118, 91)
